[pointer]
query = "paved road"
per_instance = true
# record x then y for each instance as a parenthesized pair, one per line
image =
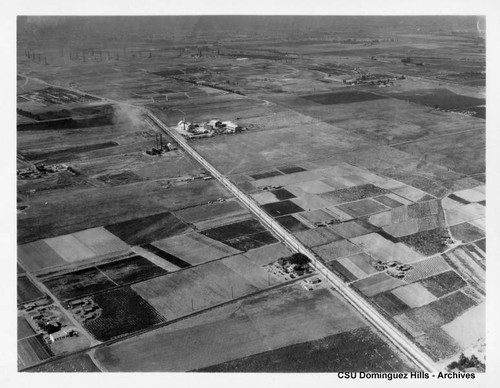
(404, 344)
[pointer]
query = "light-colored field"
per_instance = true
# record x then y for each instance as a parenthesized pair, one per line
(264, 197)
(101, 241)
(351, 267)
(195, 248)
(318, 236)
(311, 202)
(362, 263)
(468, 327)
(70, 248)
(182, 292)
(377, 283)
(457, 213)
(338, 213)
(337, 249)
(269, 321)
(471, 195)
(310, 187)
(425, 268)
(288, 179)
(362, 208)
(38, 255)
(208, 211)
(385, 250)
(314, 216)
(414, 295)
(268, 254)
(410, 193)
(402, 228)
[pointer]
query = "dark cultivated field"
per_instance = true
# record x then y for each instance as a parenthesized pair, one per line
(166, 256)
(342, 97)
(67, 153)
(131, 270)
(123, 312)
(392, 203)
(76, 363)
(389, 303)
(438, 344)
(78, 284)
(442, 98)
(481, 244)
(443, 283)
(440, 311)
(291, 169)
(267, 174)
(282, 194)
(458, 199)
(276, 209)
(355, 351)
(252, 241)
(340, 270)
(353, 193)
(235, 230)
(428, 242)
(292, 224)
(26, 290)
(32, 350)
(466, 232)
(147, 229)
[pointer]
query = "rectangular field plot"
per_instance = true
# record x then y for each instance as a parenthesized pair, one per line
(291, 169)
(440, 312)
(130, 270)
(362, 208)
(352, 229)
(268, 254)
(276, 209)
(26, 290)
(468, 327)
(291, 223)
(310, 202)
(466, 232)
(344, 97)
(377, 284)
(317, 216)
(427, 242)
(390, 303)
(101, 241)
(31, 351)
(147, 229)
(358, 264)
(278, 318)
(195, 248)
(443, 283)
(234, 230)
(385, 250)
(311, 187)
(78, 284)
(438, 344)
(317, 236)
(208, 211)
(354, 193)
(251, 241)
(70, 248)
(426, 268)
(336, 250)
(181, 293)
(123, 312)
(38, 255)
(414, 295)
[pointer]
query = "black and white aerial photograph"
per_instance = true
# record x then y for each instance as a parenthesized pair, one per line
(221, 192)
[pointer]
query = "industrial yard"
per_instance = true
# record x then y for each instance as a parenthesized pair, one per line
(248, 201)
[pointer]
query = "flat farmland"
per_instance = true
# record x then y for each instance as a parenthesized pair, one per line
(356, 351)
(385, 250)
(443, 283)
(276, 147)
(101, 241)
(123, 312)
(31, 351)
(362, 208)
(26, 290)
(377, 284)
(78, 284)
(130, 270)
(195, 248)
(38, 255)
(73, 211)
(342, 97)
(278, 318)
(468, 327)
(414, 295)
(69, 248)
(74, 364)
(147, 229)
(209, 211)
(317, 236)
(24, 329)
(426, 268)
(268, 254)
(337, 249)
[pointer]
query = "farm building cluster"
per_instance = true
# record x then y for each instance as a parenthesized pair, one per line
(208, 129)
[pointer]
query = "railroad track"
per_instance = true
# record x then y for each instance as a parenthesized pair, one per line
(392, 333)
